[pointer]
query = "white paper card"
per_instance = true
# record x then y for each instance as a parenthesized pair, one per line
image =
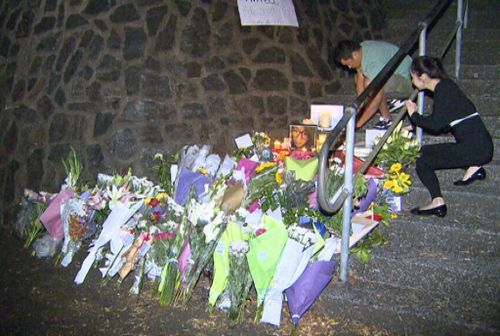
(244, 141)
(267, 13)
(372, 135)
(326, 116)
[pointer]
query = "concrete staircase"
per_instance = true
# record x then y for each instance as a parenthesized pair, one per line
(438, 276)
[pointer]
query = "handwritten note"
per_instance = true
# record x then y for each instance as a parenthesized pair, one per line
(267, 13)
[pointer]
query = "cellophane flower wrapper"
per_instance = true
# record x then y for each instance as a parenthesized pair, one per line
(46, 246)
(365, 202)
(239, 280)
(200, 158)
(248, 167)
(74, 217)
(115, 257)
(308, 287)
(136, 287)
(51, 217)
(188, 180)
(170, 277)
(111, 229)
(28, 225)
(201, 253)
(292, 263)
(226, 166)
(221, 260)
(211, 164)
(264, 254)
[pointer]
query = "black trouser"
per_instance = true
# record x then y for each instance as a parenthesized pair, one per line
(476, 151)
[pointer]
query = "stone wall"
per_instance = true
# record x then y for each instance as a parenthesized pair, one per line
(121, 80)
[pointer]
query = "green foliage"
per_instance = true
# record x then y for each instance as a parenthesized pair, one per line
(73, 169)
(399, 148)
(162, 170)
(363, 249)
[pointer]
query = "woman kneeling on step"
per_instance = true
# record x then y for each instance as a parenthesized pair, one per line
(452, 112)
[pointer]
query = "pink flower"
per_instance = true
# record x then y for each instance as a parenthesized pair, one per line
(312, 200)
(163, 235)
(154, 202)
(255, 205)
(260, 231)
(145, 236)
(97, 201)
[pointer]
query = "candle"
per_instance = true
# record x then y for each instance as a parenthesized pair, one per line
(277, 144)
(324, 119)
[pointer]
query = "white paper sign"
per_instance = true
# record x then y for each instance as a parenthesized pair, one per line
(244, 141)
(267, 13)
(326, 116)
(372, 136)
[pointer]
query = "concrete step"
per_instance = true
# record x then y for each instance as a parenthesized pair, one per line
(449, 138)
(459, 279)
(473, 87)
(471, 71)
(477, 15)
(473, 52)
(408, 311)
(487, 106)
(468, 34)
(464, 206)
(480, 87)
(444, 238)
(449, 175)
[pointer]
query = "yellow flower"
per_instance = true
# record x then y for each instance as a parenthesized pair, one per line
(264, 166)
(394, 215)
(278, 178)
(397, 189)
(388, 184)
(161, 196)
(147, 200)
(203, 171)
(396, 167)
(404, 179)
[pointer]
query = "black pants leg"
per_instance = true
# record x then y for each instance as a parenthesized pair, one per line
(443, 156)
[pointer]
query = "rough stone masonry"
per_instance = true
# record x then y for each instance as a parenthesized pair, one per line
(121, 80)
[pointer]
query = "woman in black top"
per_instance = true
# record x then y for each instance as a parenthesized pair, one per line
(452, 112)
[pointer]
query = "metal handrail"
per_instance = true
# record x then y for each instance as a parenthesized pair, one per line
(344, 198)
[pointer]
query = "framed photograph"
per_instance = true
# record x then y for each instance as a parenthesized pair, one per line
(303, 136)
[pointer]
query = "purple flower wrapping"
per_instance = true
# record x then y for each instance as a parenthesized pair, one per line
(188, 179)
(308, 287)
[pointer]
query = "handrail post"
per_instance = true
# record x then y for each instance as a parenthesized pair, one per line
(349, 187)
(422, 49)
(458, 41)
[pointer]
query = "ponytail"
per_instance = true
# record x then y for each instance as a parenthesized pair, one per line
(431, 66)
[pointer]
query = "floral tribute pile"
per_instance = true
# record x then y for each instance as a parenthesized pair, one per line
(250, 221)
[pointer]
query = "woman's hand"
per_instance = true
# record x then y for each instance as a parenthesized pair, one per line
(411, 107)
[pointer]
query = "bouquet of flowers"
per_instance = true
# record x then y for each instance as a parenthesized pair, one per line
(299, 248)
(28, 225)
(399, 148)
(75, 217)
(239, 281)
(199, 247)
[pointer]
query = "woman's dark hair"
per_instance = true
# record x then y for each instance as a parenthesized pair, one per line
(431, 66)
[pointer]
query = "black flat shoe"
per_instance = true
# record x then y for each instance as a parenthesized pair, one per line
(439, 211)
(480, 174)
